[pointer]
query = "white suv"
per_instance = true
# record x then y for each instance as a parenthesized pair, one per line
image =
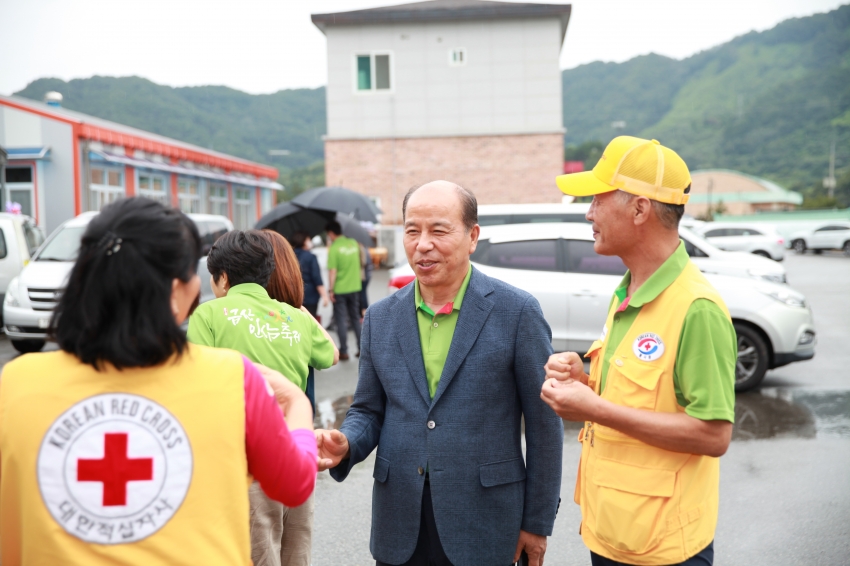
(557, 264)
(759, 239)
(708, 257)
(32, 295)
(832, 236)
(19, 238)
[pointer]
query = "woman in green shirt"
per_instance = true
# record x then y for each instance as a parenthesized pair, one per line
(243, 317)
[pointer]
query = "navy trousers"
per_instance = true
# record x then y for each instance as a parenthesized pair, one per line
(429, 551)
(347, 311)
(704, 558)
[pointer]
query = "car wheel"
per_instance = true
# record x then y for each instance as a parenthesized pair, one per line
(799, 246)
(28, 346)
(762, 253)
(846, 248)
(752, 358)
(818, 252)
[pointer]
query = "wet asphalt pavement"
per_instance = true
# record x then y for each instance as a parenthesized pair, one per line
(785, 481)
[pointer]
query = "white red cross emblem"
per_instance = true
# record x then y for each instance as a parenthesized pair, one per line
(114, 468)
(648, 347)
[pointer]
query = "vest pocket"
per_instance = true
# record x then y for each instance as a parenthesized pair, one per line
(635, 384)
(630, 500)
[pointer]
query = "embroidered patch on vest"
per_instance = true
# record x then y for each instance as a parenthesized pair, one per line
(648, 347)
(114, 468)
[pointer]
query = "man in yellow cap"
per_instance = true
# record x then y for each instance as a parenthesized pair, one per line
(658, 405)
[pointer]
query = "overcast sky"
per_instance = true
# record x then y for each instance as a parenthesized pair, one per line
(262, 46)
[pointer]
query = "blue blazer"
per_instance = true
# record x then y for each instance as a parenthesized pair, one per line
(482, 490)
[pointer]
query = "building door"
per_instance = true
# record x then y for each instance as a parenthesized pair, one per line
(20, 189)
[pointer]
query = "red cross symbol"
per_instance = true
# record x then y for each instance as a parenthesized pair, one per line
(115, 470)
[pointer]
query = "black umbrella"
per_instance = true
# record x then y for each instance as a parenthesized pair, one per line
(338, 199)
(287, 218)
(352, 228)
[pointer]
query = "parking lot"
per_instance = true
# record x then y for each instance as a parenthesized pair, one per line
(785, 481)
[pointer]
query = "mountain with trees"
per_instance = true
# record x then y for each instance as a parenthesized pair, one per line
(214, 117)
(768, 104)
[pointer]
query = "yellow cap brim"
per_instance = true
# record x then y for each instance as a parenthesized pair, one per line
(582, 184)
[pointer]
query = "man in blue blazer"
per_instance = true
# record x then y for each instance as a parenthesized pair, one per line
(449, 367)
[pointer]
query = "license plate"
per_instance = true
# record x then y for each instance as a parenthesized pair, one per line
(43, 322)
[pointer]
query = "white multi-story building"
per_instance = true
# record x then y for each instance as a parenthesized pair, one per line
(463, 90)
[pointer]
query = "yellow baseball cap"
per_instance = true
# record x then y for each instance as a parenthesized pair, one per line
(634, 165)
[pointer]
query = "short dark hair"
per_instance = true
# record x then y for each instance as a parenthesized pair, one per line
(298, 239)
(246, 256)
(669, 214)
(116, 308)
(334, 226)
(468, 205)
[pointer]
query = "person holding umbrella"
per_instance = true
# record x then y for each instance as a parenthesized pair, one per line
(314, 287)
(345, 284)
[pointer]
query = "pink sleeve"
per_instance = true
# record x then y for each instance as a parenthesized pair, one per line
(283, 462)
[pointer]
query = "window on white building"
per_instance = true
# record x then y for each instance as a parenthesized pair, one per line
(373, 72)
(266, 200)
(154, 187)
(243, 219)
(105, 186)
(457, 57)
(189, 195)
(20, 189)
(217, 199)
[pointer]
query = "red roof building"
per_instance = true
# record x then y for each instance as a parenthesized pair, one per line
(61, 163)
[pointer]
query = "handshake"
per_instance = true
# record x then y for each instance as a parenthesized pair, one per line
(332, 444)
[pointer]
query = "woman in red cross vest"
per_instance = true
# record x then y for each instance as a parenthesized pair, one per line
(129, 445)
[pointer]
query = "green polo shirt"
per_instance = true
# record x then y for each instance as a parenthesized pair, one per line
(344, 256)
(436, 331)
(265, 331)
(704, 374)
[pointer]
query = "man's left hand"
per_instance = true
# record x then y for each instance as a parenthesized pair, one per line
(571, 400)
(533, 545)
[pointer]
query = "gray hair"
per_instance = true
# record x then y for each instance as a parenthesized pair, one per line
(668, 214)
(468, 205)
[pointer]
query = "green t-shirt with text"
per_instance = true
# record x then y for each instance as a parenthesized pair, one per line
(344, 256)
(264, 330)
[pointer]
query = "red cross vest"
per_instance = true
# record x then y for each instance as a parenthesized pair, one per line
(141, 466)
(641, 504)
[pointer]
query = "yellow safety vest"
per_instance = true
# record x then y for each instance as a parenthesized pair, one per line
(141, 466)
(641, 504)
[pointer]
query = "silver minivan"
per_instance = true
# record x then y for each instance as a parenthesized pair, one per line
(32, 295)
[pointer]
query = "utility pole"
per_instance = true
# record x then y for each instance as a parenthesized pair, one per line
(829, 182)
(709, 215)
